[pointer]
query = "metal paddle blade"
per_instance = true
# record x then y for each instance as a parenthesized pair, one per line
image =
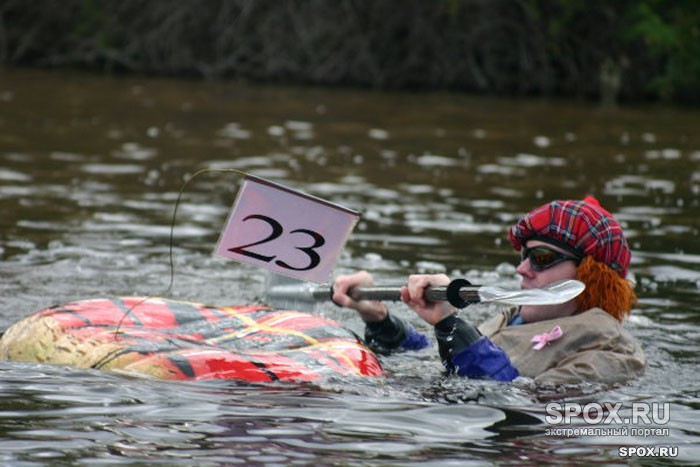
(286, 292)
(552, 294)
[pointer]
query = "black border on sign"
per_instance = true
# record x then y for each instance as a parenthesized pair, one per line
(302, 194)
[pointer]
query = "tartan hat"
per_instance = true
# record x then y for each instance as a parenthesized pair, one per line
(582, 227)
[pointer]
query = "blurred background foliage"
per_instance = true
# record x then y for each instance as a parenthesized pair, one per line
(626, 50)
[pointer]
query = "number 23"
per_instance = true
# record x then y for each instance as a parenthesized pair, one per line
(277, 231)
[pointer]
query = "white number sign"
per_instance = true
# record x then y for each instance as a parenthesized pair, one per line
(284, 230)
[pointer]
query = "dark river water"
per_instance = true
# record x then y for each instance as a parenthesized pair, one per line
(91, 166)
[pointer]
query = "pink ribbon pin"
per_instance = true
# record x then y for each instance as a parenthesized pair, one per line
(545, 338)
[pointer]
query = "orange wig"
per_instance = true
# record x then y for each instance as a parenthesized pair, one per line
(605, 289)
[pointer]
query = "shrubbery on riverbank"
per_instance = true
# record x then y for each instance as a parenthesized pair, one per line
(633, 50)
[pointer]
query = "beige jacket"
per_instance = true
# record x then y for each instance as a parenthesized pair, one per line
(594, 347)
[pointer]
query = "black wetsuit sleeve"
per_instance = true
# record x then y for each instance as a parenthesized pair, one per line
(386, 335)
(453, 335)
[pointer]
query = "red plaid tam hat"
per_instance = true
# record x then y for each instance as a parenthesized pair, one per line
(581, 227)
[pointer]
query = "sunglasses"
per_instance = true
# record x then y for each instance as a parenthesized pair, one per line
(542, 257)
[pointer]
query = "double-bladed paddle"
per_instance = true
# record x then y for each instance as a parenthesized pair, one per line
(460, 293)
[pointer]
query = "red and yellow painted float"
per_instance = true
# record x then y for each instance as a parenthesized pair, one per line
(172, 339)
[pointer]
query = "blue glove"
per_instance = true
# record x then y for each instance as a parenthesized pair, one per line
(482, 359)
(466, 352)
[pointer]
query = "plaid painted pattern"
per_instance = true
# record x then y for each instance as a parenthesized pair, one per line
(177, 340)
(583, 227)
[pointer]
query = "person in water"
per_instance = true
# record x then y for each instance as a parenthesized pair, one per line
(578, 341)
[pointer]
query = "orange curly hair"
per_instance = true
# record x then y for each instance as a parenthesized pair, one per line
(605, 289)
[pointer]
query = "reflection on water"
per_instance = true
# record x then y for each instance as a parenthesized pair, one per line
(91, 167)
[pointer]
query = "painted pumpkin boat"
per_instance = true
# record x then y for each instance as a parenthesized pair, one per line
(179, 340)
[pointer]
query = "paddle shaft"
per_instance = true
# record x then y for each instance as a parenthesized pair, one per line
(459, 293)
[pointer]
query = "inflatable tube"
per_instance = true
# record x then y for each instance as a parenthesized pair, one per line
(172, 339)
